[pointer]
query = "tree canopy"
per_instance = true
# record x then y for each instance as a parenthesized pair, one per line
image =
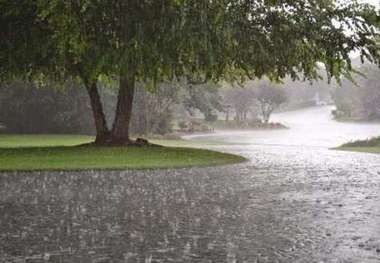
(213, 39)
(151, 41)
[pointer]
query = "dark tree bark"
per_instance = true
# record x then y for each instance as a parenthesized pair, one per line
(120, 129)
(102, 132)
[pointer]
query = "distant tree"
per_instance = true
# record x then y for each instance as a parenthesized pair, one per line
(269, 98)
(202, 97)
(150, 42)
(153, 110)
(302, 93)
(370, 93)
(347, 100)
(241, 100)
(360, 99)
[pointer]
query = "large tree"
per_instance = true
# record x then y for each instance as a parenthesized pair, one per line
(205, 98)
(149, 41)
(39, 45)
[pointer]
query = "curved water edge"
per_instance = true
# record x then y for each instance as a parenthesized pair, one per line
(314, 127)
(294, 201)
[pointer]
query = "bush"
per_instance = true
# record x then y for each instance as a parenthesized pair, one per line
(182, 125)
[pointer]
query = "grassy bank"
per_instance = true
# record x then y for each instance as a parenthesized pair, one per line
(370, 146)
(360, 149)
(55, 152)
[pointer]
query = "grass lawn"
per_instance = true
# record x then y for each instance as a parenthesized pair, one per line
(16, 141)
(361, 149)
(55, 152)
(369, 146)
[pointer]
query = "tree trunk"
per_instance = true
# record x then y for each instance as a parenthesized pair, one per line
(102, 131)
(120, 129)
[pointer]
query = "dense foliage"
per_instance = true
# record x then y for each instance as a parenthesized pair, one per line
(153, 111)
(255, 102)
(239, 103)
(150, 42)
(25, 108)
(359, 100)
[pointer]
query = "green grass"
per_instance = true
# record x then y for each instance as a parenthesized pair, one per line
(49, 140)
(372, 142)
(371, 145)
(12, 141)
(55, 152)
(361, 149)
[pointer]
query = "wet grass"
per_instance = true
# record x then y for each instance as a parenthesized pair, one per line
(56, 152)
(371, 145)
(48, 140)
(361, 149)
(372, 142)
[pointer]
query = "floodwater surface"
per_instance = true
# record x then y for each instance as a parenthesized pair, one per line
(293, 201)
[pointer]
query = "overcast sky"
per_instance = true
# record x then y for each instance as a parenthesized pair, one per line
(373, 2)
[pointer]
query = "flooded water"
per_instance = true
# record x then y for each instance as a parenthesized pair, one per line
(309, 127)
(293, 201)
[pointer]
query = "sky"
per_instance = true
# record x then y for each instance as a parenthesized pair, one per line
(373, 2)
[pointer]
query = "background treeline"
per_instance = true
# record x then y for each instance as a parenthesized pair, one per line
(359, 100)
(25, 108)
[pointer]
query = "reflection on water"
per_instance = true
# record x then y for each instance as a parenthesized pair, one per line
(288, 204)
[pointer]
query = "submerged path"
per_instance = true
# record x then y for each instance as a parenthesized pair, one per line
(294, 201)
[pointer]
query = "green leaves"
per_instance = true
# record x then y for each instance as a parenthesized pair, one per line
(165, 39)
